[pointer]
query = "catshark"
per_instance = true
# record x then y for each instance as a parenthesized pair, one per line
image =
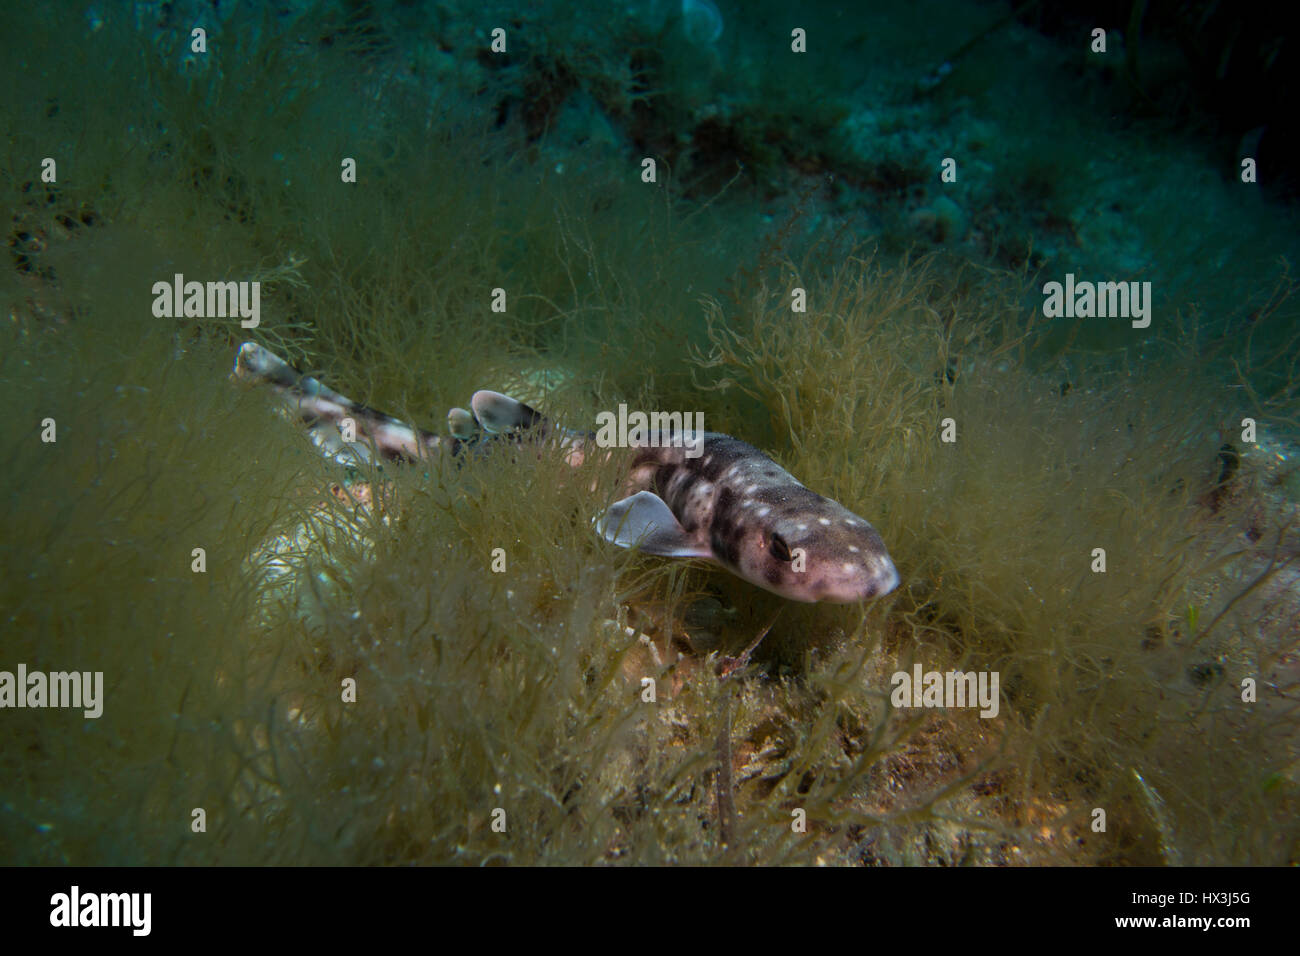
(730, 505)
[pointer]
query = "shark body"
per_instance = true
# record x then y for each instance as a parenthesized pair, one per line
(731, 505)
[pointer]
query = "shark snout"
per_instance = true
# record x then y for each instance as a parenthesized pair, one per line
(884, 578)
(872, 579)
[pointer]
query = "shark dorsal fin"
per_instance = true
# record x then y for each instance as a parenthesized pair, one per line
(499, 413)
(461, 424)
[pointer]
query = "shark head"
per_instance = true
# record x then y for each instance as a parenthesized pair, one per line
(737, 508)
(804, 547)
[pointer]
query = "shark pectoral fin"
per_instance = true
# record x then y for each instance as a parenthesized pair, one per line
(643, 521)
(499, 413)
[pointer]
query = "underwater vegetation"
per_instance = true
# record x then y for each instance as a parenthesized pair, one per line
(348, 679)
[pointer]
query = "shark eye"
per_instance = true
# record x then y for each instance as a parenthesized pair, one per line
(779, 549)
